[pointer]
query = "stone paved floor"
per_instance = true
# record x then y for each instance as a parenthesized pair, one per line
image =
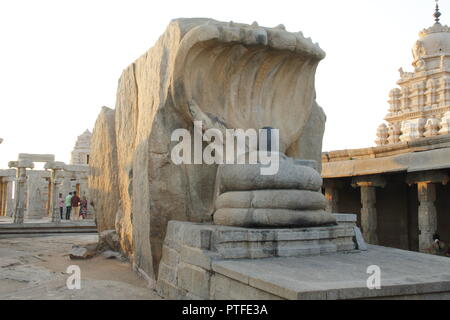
(403, 274)
(35, 268)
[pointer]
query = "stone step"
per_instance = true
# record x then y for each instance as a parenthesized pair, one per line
(46, 228)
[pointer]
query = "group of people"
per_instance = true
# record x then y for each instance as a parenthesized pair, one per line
(76, 208)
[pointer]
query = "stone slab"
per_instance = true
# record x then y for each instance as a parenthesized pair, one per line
(404, 274)
(76, 168)
(36, 157)
(410, 162)
(19, 230)
(7, 172)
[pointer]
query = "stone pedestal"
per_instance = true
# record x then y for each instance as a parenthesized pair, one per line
(190, 250)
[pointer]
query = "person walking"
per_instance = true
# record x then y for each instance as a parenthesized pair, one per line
(68, 202)
(61, 204)
(75, 203)
(83, 207)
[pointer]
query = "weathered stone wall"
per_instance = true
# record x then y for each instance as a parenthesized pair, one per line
(248, 76)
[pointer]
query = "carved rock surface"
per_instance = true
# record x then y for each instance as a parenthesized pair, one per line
(289, 198)
(248, 177)
(103, 188)
(275, 218)
(273, 199)
(249, 76)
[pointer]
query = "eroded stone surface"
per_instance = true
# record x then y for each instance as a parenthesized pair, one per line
(276, 218)
(103, 163)
(274, 199)
(248, 177)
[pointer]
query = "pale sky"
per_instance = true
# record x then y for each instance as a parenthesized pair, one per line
(60, 61)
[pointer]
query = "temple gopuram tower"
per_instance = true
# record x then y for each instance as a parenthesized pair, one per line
(82, 150)
(420, 106)
(401, 187)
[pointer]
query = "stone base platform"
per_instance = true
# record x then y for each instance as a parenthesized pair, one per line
(42, 227)
(214, 262)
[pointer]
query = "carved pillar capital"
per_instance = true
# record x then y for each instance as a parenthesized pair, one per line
(433, 176)
(369, 181)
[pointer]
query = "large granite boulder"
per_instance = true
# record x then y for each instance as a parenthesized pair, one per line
(103, 188)
(248, 76)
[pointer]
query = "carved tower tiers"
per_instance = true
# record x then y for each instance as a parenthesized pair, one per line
(82, 150)
(420, 107)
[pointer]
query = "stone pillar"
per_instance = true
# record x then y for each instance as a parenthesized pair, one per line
(369, 216)
(2, 198)
(427, 214)
(426, 187)
(331, 187)
(9, 197)
(6, 188)
(53, 189)
(21, 179)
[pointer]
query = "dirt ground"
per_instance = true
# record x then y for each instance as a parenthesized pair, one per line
(36, 268)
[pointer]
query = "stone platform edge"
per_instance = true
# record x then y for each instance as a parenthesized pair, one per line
(10, 229)
(188, 268)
